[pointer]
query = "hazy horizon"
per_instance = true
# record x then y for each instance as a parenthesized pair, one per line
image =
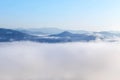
(64, 29)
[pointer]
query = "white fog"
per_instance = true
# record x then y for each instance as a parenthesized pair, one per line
(63, 61)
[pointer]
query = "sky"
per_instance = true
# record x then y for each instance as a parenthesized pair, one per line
(65, 14)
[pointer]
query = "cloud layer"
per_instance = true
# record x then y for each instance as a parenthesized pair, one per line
(68, 61)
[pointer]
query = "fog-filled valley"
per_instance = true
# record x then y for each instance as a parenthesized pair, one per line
(59, 61)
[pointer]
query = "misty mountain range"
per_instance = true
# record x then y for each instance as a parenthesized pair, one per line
(54, 35)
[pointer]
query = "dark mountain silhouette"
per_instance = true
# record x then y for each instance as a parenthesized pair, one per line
(12, 35)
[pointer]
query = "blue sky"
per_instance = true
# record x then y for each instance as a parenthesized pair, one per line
(66, 14)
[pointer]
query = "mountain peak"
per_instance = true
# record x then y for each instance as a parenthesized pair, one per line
(63, 34)
(66, 33)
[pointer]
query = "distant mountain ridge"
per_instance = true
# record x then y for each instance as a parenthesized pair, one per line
(9, 35)
(49, 31)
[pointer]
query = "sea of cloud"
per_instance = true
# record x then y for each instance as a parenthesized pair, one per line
(63, 61)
